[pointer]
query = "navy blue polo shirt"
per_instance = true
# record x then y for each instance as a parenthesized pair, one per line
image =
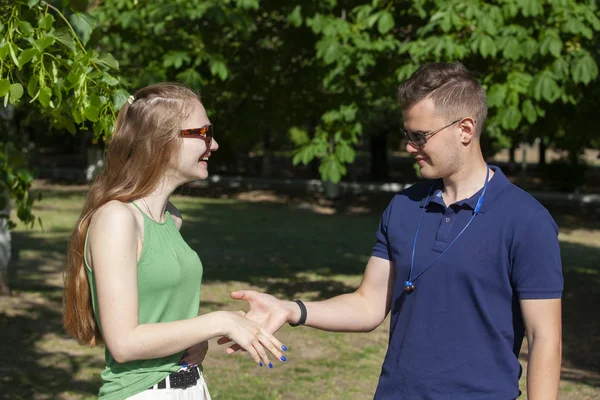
(458, 335)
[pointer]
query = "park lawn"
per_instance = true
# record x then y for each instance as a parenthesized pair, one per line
(293, 250)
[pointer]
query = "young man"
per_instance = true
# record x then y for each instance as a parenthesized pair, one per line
(466, 262)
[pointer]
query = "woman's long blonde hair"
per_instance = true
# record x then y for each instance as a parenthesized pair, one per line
(143, 146)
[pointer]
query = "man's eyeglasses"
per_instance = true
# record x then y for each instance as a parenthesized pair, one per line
(205, 133)
(420, 138)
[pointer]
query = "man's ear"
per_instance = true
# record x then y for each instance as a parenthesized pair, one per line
(468, 131)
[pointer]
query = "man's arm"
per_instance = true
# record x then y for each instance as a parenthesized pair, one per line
(542, 318)
(360, 311)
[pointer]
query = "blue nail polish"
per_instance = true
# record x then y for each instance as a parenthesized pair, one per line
(184, 364)
(283, 348)
(282, 358)
(270, 365)
(260, 364)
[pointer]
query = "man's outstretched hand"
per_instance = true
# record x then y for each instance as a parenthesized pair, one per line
(266, 310)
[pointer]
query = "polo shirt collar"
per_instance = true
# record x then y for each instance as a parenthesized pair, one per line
(495, 186)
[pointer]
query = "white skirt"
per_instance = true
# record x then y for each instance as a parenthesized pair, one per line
(196, 392)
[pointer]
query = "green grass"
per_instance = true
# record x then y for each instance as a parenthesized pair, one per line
(285, 249)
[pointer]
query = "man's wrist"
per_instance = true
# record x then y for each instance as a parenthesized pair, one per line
(299, 314)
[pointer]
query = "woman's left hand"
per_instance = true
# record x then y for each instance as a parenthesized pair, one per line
(195, 354)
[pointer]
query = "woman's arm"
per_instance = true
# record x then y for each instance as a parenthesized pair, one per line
(113, 241)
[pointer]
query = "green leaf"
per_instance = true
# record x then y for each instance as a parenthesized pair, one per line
(511, 118)
(545, 87)
(295, 17)
(63, 36)
(110, 80)
(175, 59)
(218, 68)
(16, 91)
(528, 110)
(44, 42)
(345, 153)
(190, 77)
(45, 96)
(108, 60)
(45, 22)
(373, 18)
(385, 23)
(560, 68)
(32, 84)
(96, 101)
(584, 69)
(3, 51)
(328, 49)
(32, 3)
(298, 136)
(551, 43)
(91, 113)
(487, 47)
(556, 47)
(119, 98)
(26, 56)
(304, 155)
(12, 49)
(512, 49)
(25, 28)
(4, 87)
(83, 24)
(496, 95)
(488, 25)
(331, 170)
(247, 4)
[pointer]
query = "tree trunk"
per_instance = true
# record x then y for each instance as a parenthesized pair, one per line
(542, 150)
(266, 167)
(574, 157)
(379, 160)
(5, 247)
(524, 145)
(512, 151)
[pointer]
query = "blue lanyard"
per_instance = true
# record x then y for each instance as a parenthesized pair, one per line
(409, 285)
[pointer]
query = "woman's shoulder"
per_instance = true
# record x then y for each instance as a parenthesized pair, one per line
(114, 214)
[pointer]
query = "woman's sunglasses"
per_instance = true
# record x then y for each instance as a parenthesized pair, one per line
(205, 133)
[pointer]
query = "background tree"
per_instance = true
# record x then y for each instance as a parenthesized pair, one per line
(307, 71)
(46, 69)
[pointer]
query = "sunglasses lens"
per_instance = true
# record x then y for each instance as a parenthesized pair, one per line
(414, 138)
(419, 139)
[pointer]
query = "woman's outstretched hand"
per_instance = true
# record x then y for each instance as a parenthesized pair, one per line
(252, 337)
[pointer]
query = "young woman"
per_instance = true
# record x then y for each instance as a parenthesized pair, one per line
(131, 280)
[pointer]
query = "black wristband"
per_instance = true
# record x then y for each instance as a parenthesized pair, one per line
(302, 319)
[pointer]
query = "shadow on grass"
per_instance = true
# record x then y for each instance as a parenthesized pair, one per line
(33, 312)
(581, 302)
(282, 250)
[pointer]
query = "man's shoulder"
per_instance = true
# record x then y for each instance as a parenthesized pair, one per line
(415, 193)
(519, 202)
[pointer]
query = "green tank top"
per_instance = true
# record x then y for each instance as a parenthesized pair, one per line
(169, 277)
